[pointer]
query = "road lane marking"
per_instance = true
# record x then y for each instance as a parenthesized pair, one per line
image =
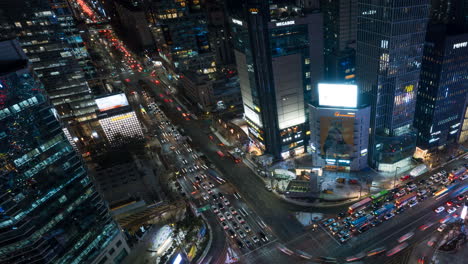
(334, 239)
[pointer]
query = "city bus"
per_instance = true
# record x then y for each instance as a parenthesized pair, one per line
(456, 174)
(379, 196)
(441, 192)
(384, 210)
(359, 205)
(402, 201)
(361, 221)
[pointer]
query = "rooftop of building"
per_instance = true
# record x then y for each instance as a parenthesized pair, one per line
(12, 57)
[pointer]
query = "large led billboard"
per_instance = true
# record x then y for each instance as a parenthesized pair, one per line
(336, 136)
(338, 95)
(111, 102)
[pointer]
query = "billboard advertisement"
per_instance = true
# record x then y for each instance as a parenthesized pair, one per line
(338, 95)
(336, 137)
(111, 102)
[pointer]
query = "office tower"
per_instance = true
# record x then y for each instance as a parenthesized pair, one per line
(49, 37)
(449, 12)
(219, 33)
(443, 86)
(279, 57)
(390, 39)
(181, 33)
(339, 26)
(50, 211)
(117, 118)
(134, 25)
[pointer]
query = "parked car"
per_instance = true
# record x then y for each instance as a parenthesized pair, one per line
(439, 209)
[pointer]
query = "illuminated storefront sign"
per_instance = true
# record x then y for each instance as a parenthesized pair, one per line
(344, 115)
(121, 117)
(460, 45)
(285, 23)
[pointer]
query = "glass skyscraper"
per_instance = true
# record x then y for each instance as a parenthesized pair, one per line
(50, 38)
(50, 211)
(279, 57)
(390, 39)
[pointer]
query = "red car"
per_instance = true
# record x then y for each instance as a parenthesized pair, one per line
(353, 181)
(449, 203)
(404, 178)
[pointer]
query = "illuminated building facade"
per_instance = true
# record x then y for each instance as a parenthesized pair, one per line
(48, 35)
(443, 86)
(117, 118)
(279, 60)
(50, 211)
(390, 39)
(339, 129)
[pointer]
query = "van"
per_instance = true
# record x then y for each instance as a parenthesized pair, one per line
(422, 192)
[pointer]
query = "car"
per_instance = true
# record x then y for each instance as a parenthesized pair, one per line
(328, 222)
(405, 237)
(445, 181)
(341, 215)
(248, 243)
(430, 183)
(342, 233)
(464, 177)
(449, 203)
(345, 238)
(220, 206)
(425, 226)
(412, 187)
(422, 192)
(239, 243)
(376, 222)
(211, 184)
(436, 180)
(335, 230)
(204, 186)
(232, 210)
(334, 225)
(442, 227)
(214, 208)
(461, 196)
(439, 209)
(224, 225)
(226, 202)
(214, 197)
(364, 228)
(356, 257)
(247, 228)
(262, 236)
(256, 240)
(235, 225)
(388, 216)
(451, 210)
(221, 217)
(228, 216)
(404, 178)
(400, 193)
(205, 196)
(220, 194)
(240, 219)
(413, 203)
(431, 241)
(232, 234)
(242, 234)
(197, 179)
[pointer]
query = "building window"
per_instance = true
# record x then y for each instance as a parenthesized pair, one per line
(119, 243)
(307, 61)
(111, 251)
(308, 87)
(307, 74)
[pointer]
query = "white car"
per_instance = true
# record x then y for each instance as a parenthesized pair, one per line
(445, 181)
(205, 196)
(388, 216)
(464, 177)
(441, 227)
(411, 187)
(413, 203)
(451, 210)
(226, 202)
(401, 193)
(439, 209)
(228, 216)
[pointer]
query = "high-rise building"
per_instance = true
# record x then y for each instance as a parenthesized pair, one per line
(49, 37)
(390, 39)
(181, 32)
(443, 86)
(279, 56)
(117, 118)
(50, 211)
(339, 28)
(449, 12)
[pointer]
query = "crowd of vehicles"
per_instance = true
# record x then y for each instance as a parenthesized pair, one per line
(385, 205)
